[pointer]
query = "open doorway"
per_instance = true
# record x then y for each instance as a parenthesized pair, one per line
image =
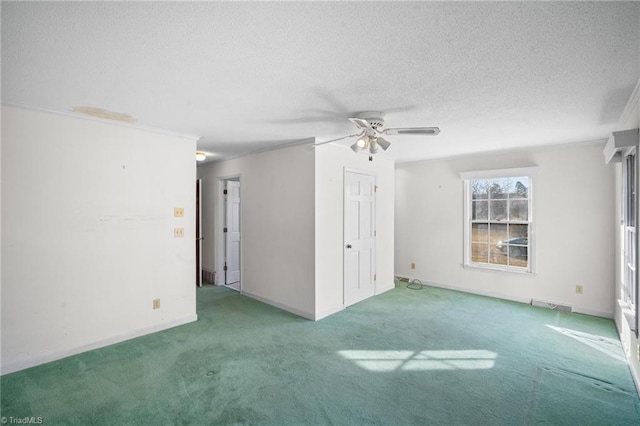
(231, 235)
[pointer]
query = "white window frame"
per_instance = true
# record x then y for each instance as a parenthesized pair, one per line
(467, 177)
(629, 274)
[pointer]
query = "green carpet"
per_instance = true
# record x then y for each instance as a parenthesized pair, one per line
(407, 357)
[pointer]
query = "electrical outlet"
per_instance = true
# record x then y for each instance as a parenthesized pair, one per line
(413, 265)
(579, 289)
(156, 303)
(178, 232)
(178, 212)
(638, 352)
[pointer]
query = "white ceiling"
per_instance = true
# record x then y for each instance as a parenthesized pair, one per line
(248, 76)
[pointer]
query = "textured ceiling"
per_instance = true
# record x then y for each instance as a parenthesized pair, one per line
(247, 76)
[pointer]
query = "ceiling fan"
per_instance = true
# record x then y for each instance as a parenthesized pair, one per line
(370, 138)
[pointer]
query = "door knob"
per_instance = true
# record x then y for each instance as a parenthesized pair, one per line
(348, 245)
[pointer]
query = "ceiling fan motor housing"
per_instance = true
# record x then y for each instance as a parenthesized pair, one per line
(374, 118)
(376, 124)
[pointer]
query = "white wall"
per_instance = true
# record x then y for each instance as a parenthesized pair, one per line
(329, 193)
(630, 342)
(277, 225)
(573, 211)
(87, 242)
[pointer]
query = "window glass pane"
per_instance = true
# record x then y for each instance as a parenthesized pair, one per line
(518, 245)
(479, 210)
(480, 233)
(519, 231)
(479, 189)
(498, 234)
(497, 257)
(499, 189)
(632, 248)
(520, 187)
(498, 210)
(479, 252)
(631, 190)
(519, 210)
(519, 257)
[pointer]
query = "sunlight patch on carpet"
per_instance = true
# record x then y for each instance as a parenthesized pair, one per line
(386, 361)
(605, 345)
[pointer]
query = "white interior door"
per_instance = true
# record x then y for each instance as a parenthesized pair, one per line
(232, 233)
(359, 236)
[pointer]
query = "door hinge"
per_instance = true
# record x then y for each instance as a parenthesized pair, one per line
(224, 192)
(375, 188)
(375, 233)
(225, 267)
(375, 277)
(224, 230)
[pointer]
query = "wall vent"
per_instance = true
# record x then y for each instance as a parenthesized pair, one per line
(550, 305)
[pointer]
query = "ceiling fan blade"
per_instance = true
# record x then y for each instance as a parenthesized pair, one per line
(412, 131)
(361, 123)
(337, 139)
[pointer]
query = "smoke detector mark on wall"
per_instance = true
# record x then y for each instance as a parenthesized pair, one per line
(103, 113)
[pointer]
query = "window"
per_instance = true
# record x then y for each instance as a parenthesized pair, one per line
(622, 147)
(629, 209)
(498, 219)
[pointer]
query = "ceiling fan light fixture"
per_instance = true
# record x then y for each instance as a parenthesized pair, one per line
(362, 142)
(384, 144)
(200, 156)
(371, 126)
(373, 147)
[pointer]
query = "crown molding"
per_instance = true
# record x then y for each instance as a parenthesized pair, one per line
(306, 141)
(631, 104)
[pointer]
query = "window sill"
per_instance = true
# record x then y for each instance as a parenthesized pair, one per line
(474, 267)
(628, 315)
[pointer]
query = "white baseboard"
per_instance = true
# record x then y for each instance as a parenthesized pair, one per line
(284, 307)
(38, 360)
(525, 300)
(592, 312)
(385, 289)
(328, 312)
(336, 309)
(479, 292)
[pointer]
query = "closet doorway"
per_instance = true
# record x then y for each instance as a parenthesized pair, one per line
(232, 233)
